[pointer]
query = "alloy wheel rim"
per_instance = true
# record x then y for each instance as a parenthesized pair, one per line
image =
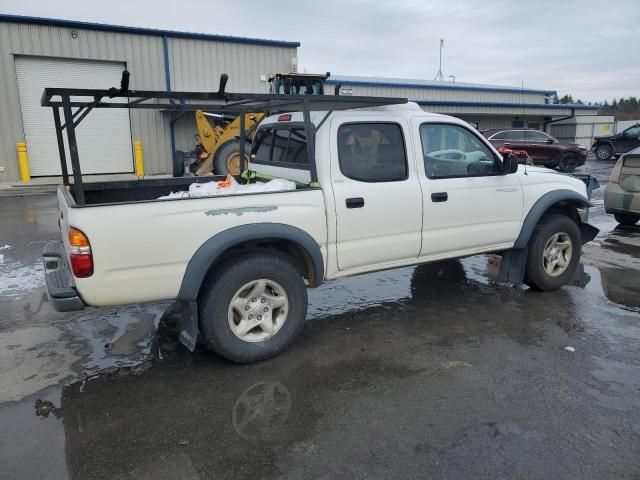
(603, 153)
(258, 310)
(557, 254)
(233, 164)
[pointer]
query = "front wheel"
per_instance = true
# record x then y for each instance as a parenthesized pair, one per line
(604, 152)
(554, 253)
(568, 162)
(253, 307)
(627, 219)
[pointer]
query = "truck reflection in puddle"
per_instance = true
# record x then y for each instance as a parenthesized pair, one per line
(197, 416)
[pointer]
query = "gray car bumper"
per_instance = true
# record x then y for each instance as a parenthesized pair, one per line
(60, 285)
(619, 200)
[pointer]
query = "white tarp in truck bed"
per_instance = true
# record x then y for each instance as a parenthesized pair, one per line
(231, 187)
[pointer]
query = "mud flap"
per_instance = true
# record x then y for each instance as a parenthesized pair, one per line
(188, 323)
(588, 232)
(512, 266)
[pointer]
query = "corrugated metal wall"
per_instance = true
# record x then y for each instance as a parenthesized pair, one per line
(584, 129)
(142, 54)
(622, 125)
(510, 111)
(195, 65)
(485, 122)
(444, 94)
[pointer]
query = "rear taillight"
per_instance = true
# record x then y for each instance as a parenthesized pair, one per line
(80, 259)
(615, 173)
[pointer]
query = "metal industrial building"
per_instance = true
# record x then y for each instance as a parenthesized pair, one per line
(484, 106)
(38, 52)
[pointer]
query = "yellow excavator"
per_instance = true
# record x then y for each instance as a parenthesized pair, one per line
(218, 147)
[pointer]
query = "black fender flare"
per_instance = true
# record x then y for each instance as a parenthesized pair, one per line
(210, 251)
(513, 263)
(540, 208)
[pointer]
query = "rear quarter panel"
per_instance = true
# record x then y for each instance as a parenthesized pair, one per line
(141, 250)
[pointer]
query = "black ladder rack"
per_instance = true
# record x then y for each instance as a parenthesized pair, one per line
(177, 103)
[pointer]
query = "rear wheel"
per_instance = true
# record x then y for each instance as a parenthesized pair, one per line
(568, 162)
(253, 307)
(554, 252)
(604, 152)
(628, 219)
(178, 163)
(227, 160)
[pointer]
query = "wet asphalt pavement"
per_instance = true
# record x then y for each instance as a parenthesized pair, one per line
(427, 372)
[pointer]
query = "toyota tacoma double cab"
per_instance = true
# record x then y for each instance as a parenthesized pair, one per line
(376, 188)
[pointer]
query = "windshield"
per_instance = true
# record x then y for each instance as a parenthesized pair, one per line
(296, 86)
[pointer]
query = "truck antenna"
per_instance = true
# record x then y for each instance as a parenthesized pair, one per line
(523, 131)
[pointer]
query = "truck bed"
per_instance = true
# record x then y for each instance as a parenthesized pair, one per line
(144, 190)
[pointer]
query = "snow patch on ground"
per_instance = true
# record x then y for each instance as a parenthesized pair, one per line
(16, 279)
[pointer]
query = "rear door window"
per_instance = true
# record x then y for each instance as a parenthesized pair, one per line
(533, 136)
(282, 146)
(372, 152)
(500, 136)
(515, 135)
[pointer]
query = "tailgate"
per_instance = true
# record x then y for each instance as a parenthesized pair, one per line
(63, 215)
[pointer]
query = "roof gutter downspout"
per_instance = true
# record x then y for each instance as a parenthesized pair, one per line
(167, 80)
(549, 122)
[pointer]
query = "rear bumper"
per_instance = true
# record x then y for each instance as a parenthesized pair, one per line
(618, 200)
(61, 290)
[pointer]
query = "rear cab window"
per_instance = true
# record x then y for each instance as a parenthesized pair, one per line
(281, 146)
(279, 150)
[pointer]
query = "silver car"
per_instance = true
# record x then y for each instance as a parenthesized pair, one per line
(622, 195)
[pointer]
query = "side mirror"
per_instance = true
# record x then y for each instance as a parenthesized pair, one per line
(509, 164)
(551, 140)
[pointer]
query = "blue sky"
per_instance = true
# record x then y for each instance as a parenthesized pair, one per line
(586, 48)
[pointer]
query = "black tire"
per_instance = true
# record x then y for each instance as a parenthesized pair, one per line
(604, 152)
(228, 156)
(178, 164)
(536, 276)
(568, 162)
(627, 219)
(220, 289)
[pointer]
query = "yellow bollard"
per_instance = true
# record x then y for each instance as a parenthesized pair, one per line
(23, 162)
(139, 159)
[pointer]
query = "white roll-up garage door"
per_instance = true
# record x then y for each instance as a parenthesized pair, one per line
(104, 136)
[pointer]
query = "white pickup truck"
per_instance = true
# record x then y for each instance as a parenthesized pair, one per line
(396, 186)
